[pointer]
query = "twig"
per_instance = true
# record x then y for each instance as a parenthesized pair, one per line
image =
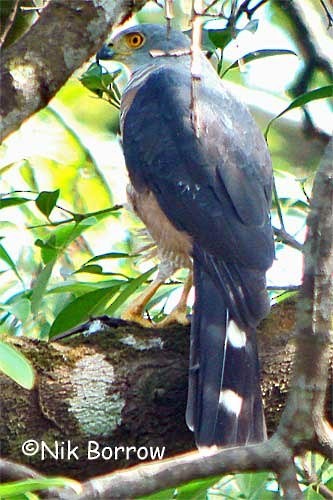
(244, 9)
(278, 206)
(206, 9)
(11, 471)
(284, 237)
(144, 479)
(286, 288)
(169, 14)
(306, 41)
(328, 14)
(9, 23)
(195, 64)
(77, 217)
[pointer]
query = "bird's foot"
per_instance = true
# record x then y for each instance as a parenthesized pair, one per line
(177, 316)
(137, 317)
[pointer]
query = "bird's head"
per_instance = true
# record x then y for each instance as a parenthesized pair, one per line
(137, 46)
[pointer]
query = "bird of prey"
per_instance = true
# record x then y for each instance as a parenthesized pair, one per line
(204, 192)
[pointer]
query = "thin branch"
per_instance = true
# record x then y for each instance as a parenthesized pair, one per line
(145, 479)
(287, 239)
(195, 64)
(278, 206)
(9, 23)
(12, 471)
(306, 41)
(244, 9)
(286, 288)
(328, 14)
(206, 9)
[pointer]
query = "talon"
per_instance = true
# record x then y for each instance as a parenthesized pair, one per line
(136, 317)
(175, 317)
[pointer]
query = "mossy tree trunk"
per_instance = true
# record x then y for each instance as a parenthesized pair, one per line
(123, 386)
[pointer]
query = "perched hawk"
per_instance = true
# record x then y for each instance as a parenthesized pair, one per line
(204, 192)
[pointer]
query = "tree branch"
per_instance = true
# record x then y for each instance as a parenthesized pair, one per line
(287, 239)
(9, 22)
(314, 60)
(67, 33)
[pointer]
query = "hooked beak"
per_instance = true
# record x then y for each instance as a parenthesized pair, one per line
(105, 53)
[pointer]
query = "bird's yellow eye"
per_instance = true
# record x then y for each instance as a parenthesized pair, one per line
(134, 40)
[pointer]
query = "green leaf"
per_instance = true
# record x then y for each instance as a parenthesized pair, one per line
(258, 54)
(129, 290)
(82, 308)
(97, 79)
(39, 289)
(311, 494)
(21, 309)
(79, 288)
(111, 255)
(221, 37)
(161, 495)
(28, 175)
(21, 487)
(10, 202)
(46, 201)
(92, 269)
(61, 237)
(329, 484)
(16, 366)
(4, 255)
(195, 490)
(312, 95)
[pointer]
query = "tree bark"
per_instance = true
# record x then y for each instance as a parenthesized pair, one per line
(34, 68)
(122, 386)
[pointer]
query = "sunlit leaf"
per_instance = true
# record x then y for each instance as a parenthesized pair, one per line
(82, 308)
(312, 95)
(38, 291)
(28, 175)
(111, 255)
(329, 484)
(16, 366)
(251, 26)
(92, 269)
(128, 290)
(46, 201)
(4, 256)
(311, 494)
(20, 487)
(195, 490)
(49, 249)
(21, 309)
(12, 201)
(258, 54)
(79, 287)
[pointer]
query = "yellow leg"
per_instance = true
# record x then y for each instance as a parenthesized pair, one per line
(178, 314)
(136, 309)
